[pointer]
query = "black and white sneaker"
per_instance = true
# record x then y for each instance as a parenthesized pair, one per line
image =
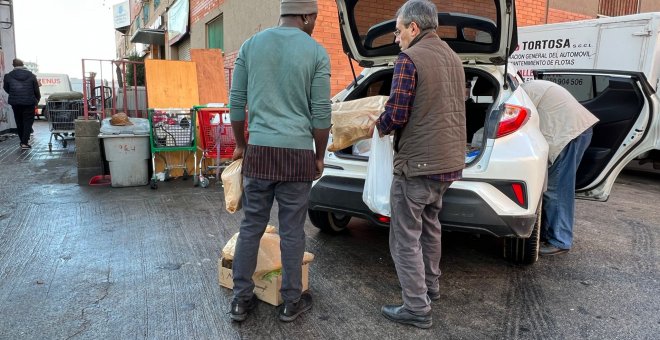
(240, 309)
(290, 311)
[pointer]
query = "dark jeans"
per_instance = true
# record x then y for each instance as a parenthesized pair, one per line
(24, 117)
(257, 201)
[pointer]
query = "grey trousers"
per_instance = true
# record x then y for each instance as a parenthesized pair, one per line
(415, 238)
(257, 200)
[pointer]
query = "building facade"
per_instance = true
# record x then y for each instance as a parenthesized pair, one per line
(225, 24)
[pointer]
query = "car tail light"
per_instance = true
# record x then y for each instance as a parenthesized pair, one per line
(519, 192)
(512, 119)
(383, 219)
(514, 190)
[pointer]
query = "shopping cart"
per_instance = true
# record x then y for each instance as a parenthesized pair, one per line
(172, 131)
(62, 109)
(217, 141)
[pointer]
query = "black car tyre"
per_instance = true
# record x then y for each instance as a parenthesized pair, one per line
(328, 222)
(525, 250)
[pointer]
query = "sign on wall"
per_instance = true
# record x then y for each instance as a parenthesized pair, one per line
(121, 15)
(177, 21)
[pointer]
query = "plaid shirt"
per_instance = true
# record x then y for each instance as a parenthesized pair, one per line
(400, 104)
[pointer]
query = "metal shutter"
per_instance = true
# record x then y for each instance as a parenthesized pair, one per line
(184, 50)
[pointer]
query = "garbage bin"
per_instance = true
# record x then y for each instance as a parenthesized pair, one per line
(127, 152)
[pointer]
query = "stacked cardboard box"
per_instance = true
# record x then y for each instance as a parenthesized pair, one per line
(266, 289)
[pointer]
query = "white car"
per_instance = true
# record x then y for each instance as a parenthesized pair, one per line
(506, 154)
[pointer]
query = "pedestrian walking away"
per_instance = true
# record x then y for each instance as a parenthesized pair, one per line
(23, 89)
(567, 127)
(283, 76)
(426, 114)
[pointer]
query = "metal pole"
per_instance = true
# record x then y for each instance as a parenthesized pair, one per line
(92, 85)
(84, 80)
(113, 102)
(102, 89)
(135, 86)
(123, 89)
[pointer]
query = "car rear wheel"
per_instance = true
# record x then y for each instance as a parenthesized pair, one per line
(331, 223)
(525, 250)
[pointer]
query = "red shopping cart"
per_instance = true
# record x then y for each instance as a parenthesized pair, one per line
(216, 141)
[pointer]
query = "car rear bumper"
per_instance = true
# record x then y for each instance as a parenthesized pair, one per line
(462, 210)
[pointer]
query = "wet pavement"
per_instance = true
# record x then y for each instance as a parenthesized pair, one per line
(83, 262)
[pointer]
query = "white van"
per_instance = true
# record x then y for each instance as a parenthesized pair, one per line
(50, 83)
(625, 43)
(582, 56)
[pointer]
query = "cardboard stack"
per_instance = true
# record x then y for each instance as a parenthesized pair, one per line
(268, 274)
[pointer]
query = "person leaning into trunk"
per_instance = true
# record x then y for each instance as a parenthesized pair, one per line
(283, 75)
(426, 113)
(567, 127)
(24, 95)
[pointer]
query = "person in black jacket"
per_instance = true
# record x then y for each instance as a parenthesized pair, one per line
(23, 89)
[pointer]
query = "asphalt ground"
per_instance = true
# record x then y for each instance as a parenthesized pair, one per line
(82, 262)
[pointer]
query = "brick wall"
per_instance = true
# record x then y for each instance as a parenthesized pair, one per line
(200, 8)
(556, 16)
(327, 34)
(230, 58)
(136, 8)
(531, 12)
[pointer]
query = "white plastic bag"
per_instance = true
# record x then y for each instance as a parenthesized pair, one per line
(232, 181)
(376, 194)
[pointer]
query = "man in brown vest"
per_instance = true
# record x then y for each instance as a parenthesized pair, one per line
(426, 113)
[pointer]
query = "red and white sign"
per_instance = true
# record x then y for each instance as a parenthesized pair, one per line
(49, 81)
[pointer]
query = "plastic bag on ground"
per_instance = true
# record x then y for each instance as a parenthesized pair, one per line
(269, 258)
(352, 120)
(232, 181)
(376, 194)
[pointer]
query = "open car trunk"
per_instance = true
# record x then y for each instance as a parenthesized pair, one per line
(484, 90)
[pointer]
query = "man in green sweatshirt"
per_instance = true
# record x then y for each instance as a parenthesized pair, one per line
(283, 76)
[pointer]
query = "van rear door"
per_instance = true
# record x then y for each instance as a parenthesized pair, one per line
(50, 83)
(627, 107)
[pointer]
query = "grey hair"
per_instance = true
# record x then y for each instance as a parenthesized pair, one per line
(423, 12)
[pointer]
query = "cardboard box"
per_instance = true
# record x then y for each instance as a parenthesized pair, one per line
(267, 291)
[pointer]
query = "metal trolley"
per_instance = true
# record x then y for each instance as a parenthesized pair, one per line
(173, 130)
(62, 109)
(216, 140)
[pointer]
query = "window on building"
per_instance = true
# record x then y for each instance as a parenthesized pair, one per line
(215, 34)
(145, 13)
(156, 4)
(614, 8)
